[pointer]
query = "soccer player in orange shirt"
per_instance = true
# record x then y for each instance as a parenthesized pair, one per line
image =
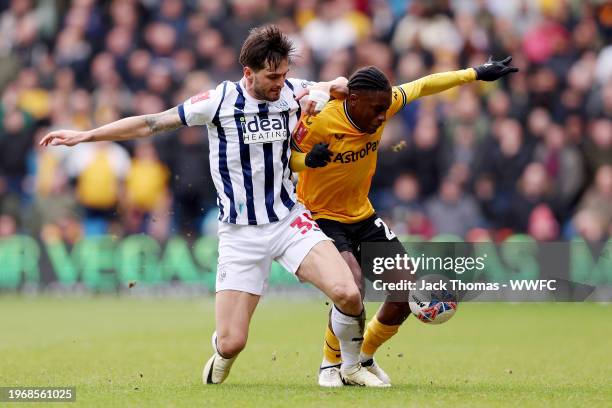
(335, 153)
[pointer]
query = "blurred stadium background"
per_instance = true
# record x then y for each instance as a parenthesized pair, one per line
(528, 155)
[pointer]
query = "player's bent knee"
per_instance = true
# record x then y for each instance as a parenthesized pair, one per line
(231, 345)
(402, 310)
(347, 298)
(361, 289)
(393, 313)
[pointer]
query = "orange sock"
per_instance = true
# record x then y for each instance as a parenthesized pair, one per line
(331, 349)
(376, 334)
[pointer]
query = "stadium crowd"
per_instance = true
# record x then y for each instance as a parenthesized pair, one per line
(530, 154)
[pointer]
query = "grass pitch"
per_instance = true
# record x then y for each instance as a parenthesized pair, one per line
(150, 353)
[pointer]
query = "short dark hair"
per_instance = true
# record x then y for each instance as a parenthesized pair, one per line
(265, 44)
(369, 79)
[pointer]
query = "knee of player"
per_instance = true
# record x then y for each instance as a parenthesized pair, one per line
(231, 345)
(402, 311)
(393, 313)
(347, 297)
(360, 288)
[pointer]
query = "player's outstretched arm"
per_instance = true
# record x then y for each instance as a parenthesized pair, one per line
(436, 83)
(132, 127)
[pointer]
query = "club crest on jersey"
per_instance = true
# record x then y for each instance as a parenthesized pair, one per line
(259, 130)
(281, 105)
(299, 133)
(352, 156)
(200, 97)
(221, 274)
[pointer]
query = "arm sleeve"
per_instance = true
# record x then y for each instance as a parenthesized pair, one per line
(297, 162)
(298, 84)
(200, 109)
(429, 85)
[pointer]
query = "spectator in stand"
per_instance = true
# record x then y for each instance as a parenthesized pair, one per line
(80, 63)
(453, 211)
(598, 146)
(563, 165)
(16, 140)
(330, 31)
(192, 185)
(423, 157)
(408, 212)
(504, 159)
(543, 225)
(598, 197)
(146, 192)
(534, 188)
(54, 201)
(99, 170)
(589, 226)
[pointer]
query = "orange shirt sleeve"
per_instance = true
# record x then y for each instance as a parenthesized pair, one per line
(428, 85)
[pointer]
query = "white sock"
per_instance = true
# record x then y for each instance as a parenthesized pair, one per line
(349, 330)
(223, 362)
(365, 357)
(326, 363)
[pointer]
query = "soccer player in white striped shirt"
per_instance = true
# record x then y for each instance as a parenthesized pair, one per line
(249, 128)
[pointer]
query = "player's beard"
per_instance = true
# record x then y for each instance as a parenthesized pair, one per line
(264, 94)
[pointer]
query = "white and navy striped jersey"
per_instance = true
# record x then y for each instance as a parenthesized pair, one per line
(249, 149)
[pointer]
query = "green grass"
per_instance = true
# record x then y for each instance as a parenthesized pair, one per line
(150, 352)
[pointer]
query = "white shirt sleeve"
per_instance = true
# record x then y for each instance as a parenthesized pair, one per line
(299, 84)
(200, 109)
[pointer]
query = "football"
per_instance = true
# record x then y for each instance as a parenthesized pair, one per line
(432, 302)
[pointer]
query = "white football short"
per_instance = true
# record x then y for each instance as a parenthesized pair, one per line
(246, 252)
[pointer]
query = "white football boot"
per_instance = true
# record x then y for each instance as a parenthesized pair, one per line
(217, 368)
(359, 375)
(330, 376)
(375, 369)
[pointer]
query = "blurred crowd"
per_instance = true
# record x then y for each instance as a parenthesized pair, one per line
(529, 154)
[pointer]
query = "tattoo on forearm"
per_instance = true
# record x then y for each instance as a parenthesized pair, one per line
(164, 121)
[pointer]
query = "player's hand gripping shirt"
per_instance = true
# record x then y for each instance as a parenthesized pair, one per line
(249, 149)
(339, 191)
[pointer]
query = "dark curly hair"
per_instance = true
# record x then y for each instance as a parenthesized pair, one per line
(369, 79)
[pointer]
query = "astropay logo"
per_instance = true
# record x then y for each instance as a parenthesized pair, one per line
(352, 156)
(258, 130)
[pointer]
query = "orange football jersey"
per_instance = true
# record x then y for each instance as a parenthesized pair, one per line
(339, 191)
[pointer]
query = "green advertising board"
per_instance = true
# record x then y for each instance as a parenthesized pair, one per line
(105, 263)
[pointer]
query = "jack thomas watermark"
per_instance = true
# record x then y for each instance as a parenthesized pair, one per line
(512, 271)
